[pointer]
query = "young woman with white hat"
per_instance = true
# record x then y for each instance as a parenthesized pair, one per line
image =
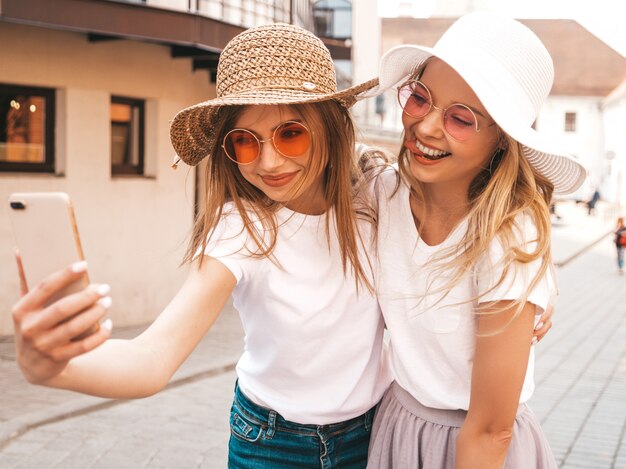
(287, 231)
(464, 248)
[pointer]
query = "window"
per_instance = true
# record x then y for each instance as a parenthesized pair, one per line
(333, 18)
(127, 135)
(570, 122)
(26, 129)
(323, 22)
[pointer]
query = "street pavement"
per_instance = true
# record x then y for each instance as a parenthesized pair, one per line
(580, 374)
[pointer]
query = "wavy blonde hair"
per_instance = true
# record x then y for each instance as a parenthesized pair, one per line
(510, 186)
(333, 155)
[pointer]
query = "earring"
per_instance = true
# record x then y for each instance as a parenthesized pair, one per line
(497, 155)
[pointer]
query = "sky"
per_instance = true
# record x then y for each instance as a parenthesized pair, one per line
(604, 18)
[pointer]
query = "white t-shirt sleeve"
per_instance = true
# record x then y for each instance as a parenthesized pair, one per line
(519, 276)
(229, 244)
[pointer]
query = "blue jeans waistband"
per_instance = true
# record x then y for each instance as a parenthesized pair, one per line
(274, 421)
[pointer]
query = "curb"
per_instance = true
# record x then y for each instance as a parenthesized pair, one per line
(584, 249)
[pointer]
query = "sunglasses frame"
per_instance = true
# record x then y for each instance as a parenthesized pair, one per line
(261, 142)
(443, 111)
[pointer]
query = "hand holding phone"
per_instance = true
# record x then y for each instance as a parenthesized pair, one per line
(46, 337)
(47, 239)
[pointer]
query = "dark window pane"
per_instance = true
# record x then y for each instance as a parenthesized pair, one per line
(570, 122)
(120, 140)
(26, 129)
(127, 130)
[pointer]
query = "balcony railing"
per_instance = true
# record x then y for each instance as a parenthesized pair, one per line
(244, 13)
(198, 29)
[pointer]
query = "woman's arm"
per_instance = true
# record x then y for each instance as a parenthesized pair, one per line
(500, 363)
(114, 368)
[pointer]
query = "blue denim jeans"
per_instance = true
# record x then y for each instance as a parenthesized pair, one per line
(261, 439)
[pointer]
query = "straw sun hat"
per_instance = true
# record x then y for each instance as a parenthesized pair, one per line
(510, 71)
(272, 64)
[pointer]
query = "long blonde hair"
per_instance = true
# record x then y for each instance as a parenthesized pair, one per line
(333, 155)
(510, 186)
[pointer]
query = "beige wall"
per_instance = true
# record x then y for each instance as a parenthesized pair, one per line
(133, 230)
(365, 54)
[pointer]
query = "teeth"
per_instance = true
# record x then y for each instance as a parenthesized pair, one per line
(430, 151)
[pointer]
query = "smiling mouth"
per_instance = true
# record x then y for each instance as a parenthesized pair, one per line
(425, 152)
(278, 180)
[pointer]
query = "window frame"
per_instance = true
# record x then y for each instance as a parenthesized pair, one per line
(130, 169)
(48, 165)
(570, 124)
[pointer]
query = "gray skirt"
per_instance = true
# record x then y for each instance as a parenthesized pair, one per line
(407, 434)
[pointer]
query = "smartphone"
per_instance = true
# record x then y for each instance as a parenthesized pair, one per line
(46, 235)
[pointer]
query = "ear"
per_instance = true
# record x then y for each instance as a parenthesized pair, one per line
(503, 140)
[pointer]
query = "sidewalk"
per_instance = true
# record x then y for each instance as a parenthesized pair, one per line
(576, 231)
(580, 372)
(25, 407)
(580, 375)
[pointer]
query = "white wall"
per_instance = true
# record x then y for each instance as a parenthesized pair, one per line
(586, 143)
(365, 53)
(133, 229)
(615, 142)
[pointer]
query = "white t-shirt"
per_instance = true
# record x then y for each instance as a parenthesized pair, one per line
(312, 347)
(433, 342)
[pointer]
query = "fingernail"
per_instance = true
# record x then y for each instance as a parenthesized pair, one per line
(103, 289)
(79, 266)
(534, 341)
(105, 302)
(538, 326)
(107, 324)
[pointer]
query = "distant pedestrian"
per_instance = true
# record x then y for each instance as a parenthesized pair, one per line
(620, 244)
(591, 204)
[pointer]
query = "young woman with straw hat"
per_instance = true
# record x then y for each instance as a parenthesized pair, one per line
(287, 230)
(464, 248)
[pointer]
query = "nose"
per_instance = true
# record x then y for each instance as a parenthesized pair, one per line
(431, 124)
(269, 156)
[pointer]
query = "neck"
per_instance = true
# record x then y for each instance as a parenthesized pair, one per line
(450, 200)
(309, 204)
(438, 214)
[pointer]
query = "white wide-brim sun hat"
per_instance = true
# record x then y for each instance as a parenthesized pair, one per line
(510, 71)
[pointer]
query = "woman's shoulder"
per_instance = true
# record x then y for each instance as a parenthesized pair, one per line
(234, 219)
(373, 163)
(523, 235)
(372, 160)
(525, 227)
